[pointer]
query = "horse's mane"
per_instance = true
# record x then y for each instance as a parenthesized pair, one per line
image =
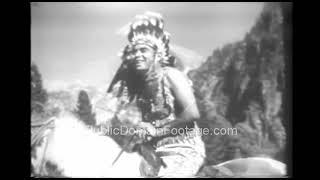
(78, 151)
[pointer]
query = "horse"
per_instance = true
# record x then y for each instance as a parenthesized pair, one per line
(71, 149)
(250, 167)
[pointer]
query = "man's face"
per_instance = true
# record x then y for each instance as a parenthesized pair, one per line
(143, 56)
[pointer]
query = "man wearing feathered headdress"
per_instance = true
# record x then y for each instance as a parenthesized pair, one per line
(164, 95)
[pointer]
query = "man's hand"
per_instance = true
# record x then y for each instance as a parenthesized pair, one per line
(146, 131)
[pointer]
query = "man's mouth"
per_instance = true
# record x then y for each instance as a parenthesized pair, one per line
(140, 59)
(139, 62)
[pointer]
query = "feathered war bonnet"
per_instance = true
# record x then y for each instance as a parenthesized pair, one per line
(145, 29)
(148, 28)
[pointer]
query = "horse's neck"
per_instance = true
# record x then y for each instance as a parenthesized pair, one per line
(79, 152)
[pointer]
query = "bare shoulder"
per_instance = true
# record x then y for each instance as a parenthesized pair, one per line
(177, 77)
(182, 89)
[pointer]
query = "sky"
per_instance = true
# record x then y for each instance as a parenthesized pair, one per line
(78, 43)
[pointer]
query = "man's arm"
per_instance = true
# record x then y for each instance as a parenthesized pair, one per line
(183, 94)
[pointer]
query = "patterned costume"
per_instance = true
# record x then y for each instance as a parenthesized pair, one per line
(183, 154)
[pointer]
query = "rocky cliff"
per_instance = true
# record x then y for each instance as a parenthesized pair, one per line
(242, 86)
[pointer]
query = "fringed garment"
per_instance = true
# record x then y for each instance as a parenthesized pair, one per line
(183, 153)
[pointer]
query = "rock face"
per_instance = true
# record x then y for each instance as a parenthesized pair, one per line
(242, 86)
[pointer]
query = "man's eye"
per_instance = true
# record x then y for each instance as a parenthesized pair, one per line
(143, 50)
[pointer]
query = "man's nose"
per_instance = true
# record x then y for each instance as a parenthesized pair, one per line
(138, 53)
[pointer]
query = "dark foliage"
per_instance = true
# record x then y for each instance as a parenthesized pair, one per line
(39, 95)
(84, 109)
(242, 86)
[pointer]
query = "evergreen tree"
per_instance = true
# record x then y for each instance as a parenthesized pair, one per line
(39, 95)
(84, 109)
(242, 84)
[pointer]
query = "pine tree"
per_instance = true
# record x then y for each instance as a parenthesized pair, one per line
(39, 95)
(249, 92)
(84, 109)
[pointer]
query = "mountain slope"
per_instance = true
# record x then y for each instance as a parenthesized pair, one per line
(241, 85)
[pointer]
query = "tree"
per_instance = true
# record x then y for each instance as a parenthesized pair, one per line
(39, 95)
(84, 109)
(249, 93)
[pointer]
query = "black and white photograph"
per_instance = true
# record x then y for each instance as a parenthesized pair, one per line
(160, 89)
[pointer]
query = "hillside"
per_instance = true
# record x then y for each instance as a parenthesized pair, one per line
(241, 85)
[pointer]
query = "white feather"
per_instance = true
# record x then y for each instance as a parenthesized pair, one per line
(153, 21)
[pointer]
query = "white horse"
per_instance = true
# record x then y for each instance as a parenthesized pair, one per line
(77, 151)
(259, 167)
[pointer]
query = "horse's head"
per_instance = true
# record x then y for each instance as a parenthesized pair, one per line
(76, 151)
